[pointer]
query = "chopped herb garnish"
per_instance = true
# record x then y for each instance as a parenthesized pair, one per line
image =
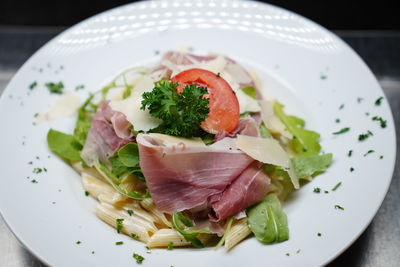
(339, 207)
(359, 100)
(78, 242)
(37, 170)
(34, 181)
(344, 130)
(362, 137)
(119, 243)
(336, 186)
(381, 157)
(130, 212)
(298, 251)
(337, 120)
(33, 85)
(87, 193)
(287, 254)
(30, 162)
(319, 234)
(55, 88)
(170, 246)
(218, 74)
(326, 191)
(366, 113)
(369, 152)
(92, 251)
(350, 153)
(378, 102)
(79, 87)
(351, 169)
(119, 223)
(317, 190)
(382, 122)
(341, 106)
(139, 259)
(156, 52)
(133, 235)
(323, 77)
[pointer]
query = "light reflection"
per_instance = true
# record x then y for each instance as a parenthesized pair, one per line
(264, 20)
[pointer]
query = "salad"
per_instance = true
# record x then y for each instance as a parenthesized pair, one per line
(190, 153)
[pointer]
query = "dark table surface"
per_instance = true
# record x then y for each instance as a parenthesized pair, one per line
(379, 245)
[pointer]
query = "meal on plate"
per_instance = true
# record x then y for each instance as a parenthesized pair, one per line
(190, 153)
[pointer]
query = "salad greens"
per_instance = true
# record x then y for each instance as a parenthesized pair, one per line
(182, 113)
(267, 220)
(126, 161)
(250, 91)
(304, 142)
(305, 166)
(64, 145)
(84, 121)
(179, 221)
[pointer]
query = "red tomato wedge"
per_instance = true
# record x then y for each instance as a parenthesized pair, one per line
(224, 106)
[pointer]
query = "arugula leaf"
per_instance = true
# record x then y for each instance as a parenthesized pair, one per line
(118, 183)
(84, 121)
(129, 155)
(305, 166)
(64, 145)
(264, 131)
(250, 91)
(126, 161)
(179, 221)
(182, 113)
(267, 220)
(304, 142)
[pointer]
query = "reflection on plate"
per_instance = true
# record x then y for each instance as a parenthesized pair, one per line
(306, 67)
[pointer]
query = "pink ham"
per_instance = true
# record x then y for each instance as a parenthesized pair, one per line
(249, 188)
(182, 177)
(109, 132)
(246, 126)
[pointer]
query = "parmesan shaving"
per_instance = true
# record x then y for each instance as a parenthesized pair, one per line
(168, 140)
(271, 121)
(266, 150)
(66, 105)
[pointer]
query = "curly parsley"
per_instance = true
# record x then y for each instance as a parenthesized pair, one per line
(181, 113)
(55, 88)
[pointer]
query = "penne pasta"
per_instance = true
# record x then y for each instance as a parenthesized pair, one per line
(237, 233)
(148, 204)
(130, 224)
(95, 186)
(163, 237)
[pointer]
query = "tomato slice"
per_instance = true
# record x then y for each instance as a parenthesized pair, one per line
(224, 106)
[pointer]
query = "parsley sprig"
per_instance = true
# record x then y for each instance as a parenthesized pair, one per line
(181, 113)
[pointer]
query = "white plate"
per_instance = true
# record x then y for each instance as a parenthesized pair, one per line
(305, 66)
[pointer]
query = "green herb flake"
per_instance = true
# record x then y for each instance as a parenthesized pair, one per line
(218, 74)
(287, 254)
(362, 137)
(366, 113)
(139, 259)
(339, 207)
(55, 88)
(350, 153)
(33, 85)
(337, 120)
(37, 170)
(170, 246)
(369, 152)
(87, 193)
(119, 243)
(133, 235)
(92, 251)
(382, 122)
(381, 157)
(359, 100)
(323, 77)
(378, 102)
(79, 87)
(317, 190)
(341, 106)
(343, 130)
(78, 242)
(130, 212)
(30, 162)
(119, 223)
(326, 191)
(298, 251)
(319, 234)
(34, 181)
(336, 186)
(351, 169)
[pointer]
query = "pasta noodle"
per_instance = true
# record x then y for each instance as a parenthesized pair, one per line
(237, 233)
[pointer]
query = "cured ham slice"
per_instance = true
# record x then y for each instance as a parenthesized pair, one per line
(249, 188)
(109, 132)
(182, 176)
(246, 126)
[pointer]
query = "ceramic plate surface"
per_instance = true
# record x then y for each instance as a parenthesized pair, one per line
(315, 74)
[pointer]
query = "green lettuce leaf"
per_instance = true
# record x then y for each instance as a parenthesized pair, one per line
(250, 91)
(179, 221)
(64, 145)
(84, 121)
(305, 166)
(267, 221)
(304, 142)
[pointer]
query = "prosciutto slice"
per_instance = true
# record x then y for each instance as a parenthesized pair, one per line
(182, 176)
(108, 133)
(246, 126)
(249, 188)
